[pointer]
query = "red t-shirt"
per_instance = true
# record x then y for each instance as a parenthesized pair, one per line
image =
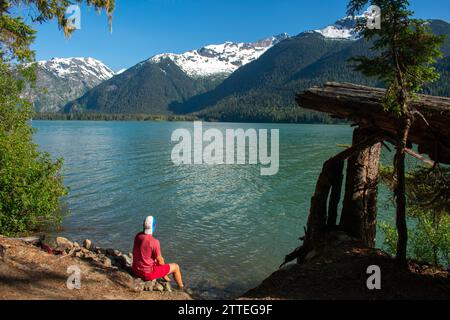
(145, 251)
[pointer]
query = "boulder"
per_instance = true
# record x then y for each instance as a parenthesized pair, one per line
(87, 244)
(128, 260)
(105, 261)
(149, 285)
(122, 261)
(158, 287)
(138, 285)
(167, 287)
(113, 253)
(63, 244)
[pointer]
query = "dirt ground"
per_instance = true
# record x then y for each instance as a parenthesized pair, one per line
(336, 272)
(27, 272)
(340, 273)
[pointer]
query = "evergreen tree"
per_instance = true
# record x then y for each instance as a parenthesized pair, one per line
(406, 51)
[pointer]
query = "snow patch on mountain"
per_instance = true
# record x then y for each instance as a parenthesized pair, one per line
(121, 71)
(343, 29)
(77, 67)
(220, 59)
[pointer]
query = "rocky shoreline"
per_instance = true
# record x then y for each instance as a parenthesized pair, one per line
(33, 269)
(107, 258)
(30, 268)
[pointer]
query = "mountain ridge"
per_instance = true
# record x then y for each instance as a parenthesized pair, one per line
(260, 90)
(63, 79)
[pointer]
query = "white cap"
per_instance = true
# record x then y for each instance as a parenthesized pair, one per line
(149, 225)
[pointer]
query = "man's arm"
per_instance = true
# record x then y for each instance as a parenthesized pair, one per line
(160, 260)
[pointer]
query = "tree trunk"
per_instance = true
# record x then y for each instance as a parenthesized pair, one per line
(328, 178)
(318, 212)
(400, 192)
(359, 210)
(335, 196)
(331, 176)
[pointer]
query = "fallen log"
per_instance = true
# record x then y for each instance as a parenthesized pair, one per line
(364, 106)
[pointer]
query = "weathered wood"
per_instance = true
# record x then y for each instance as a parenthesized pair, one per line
(335, 196)
(317, 219)
(359, 211)
(364, 105)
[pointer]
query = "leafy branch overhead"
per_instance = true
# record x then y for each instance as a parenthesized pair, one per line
(16, 36)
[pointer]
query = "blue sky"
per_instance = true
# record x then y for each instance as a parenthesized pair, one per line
(143, 28)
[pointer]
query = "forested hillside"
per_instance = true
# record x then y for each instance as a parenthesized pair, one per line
(262, 90)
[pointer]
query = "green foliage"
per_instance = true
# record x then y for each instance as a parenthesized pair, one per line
(16, 36)
(429, 238)
(428, 194)
(261, 91)
(84, 116)
(147, 88)
(265, 89)
(406, 51)
(30, 183)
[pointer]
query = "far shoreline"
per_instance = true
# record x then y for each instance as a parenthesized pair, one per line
(116, 117)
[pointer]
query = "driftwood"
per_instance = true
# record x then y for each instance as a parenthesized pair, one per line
(364, 106)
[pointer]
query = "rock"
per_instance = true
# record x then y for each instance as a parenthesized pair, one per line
(63, 244)
(98, 250)
(167, 287)
(89, 255)
(127, 260)
(158, 287)
(138, 285)
(2, 251)
(113, 253)
(310, 255)
(149, 285)
(122, 261)
(87, 244)
(106, 262)
(288, 267)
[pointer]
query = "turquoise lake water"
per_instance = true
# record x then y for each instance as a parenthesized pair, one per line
(226, 225)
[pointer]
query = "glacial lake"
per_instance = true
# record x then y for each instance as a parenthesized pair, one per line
(226, 225)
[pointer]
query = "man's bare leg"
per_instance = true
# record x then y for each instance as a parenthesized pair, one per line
(175, 270)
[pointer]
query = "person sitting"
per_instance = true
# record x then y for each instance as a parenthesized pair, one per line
(148, 263)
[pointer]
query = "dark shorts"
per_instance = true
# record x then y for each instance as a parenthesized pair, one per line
(158, 272)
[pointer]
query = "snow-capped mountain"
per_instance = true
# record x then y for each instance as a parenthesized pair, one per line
(60, 80)
(77, 67)
(221, 59)
(343, 29)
